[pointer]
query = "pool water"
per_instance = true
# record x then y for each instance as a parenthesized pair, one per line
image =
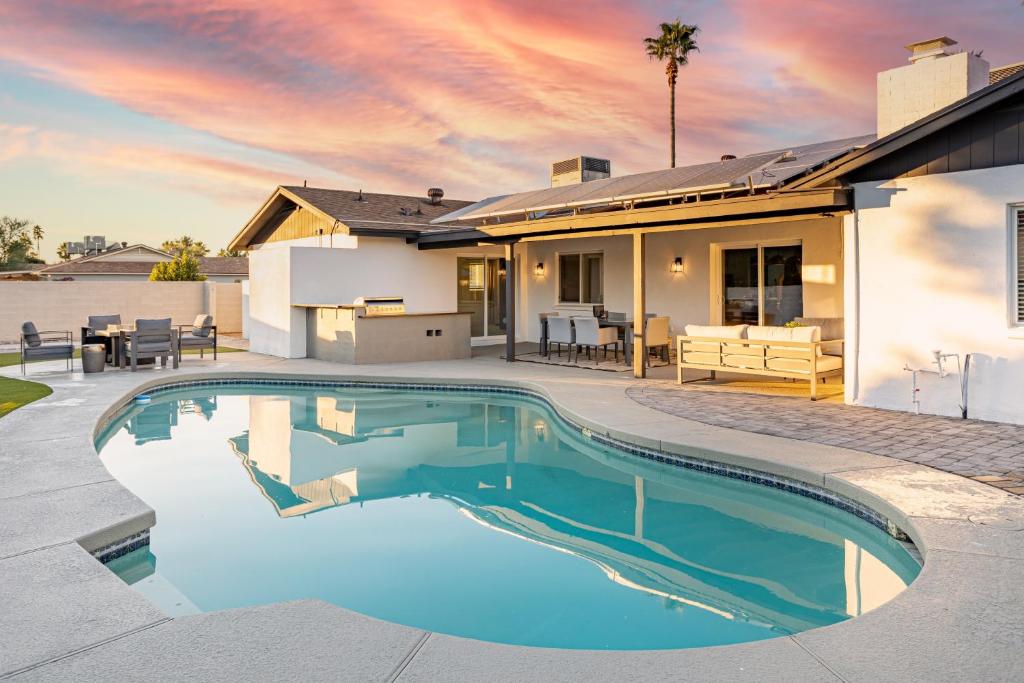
(480, 515)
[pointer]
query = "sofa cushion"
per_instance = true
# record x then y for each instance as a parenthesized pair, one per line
(784, 334)
(824, 364)
(831, 328)
(31, 334)
(202, 325)
(720, 331)
(102, 322)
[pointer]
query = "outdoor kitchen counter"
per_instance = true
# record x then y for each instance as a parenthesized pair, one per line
(344, 334)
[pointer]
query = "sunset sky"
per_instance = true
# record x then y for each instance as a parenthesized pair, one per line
(142, 121)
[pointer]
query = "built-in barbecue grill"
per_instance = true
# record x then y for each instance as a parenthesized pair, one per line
(381, 305)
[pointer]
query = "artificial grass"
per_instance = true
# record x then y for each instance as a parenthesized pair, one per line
(14, 357)
(14, 393)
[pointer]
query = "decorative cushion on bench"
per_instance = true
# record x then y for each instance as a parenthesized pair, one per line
(831, 328)
(720, 331)
(784, 334)
(824, 364)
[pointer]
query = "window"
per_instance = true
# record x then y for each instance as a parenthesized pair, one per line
(1018, 232)
(580, 278)
(762, 285)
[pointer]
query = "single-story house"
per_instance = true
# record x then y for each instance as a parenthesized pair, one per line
(912, 235)
(135, 263)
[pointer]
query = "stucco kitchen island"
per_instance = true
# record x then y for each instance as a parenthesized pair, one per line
(344, 333)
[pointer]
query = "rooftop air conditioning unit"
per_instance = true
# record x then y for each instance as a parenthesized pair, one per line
(579, 170)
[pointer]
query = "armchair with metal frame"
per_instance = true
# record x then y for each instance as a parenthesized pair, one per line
(34, 346)
(202, 335)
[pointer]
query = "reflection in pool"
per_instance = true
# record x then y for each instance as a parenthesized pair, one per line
(480, 515)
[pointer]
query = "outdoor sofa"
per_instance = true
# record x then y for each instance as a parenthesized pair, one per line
(785, 352)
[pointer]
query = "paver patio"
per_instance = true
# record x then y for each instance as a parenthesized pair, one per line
(987, 451)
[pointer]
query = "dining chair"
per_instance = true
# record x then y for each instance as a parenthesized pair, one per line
(561, 332)
(657, 337)
(590, 335)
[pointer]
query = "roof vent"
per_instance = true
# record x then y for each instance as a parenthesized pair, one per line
(579, 170)
(727, 157)
(359, 197)
(435, 194)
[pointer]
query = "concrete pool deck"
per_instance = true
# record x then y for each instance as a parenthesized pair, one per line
(66, 617)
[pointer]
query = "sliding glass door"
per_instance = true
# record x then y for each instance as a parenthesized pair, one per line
(762, 285)
(481, 293)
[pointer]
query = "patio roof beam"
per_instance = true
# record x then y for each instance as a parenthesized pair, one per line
(731, 211)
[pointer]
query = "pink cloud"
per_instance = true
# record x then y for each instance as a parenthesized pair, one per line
(476, 95)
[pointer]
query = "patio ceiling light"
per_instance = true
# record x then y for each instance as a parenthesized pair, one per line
(677, 265)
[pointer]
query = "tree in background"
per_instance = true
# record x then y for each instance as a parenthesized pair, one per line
(16, 242)
(674, 45)
(232, 252)
(62, 252)
(184, 267)
(185, 245)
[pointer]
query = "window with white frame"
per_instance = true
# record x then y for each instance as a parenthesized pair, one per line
(1017, 229)
(581, 278)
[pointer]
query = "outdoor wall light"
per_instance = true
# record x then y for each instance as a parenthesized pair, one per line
(538, 269)
(677, 265)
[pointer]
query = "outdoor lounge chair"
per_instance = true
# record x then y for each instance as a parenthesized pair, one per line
(151, 339)
(202, 336)
(34, 346)
(560, 333)
(96, 323)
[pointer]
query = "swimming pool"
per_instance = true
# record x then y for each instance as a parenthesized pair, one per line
(477, 514)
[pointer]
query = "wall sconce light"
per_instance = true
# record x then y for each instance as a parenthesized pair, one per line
(538, 269)
(677, 265)
(502, 269)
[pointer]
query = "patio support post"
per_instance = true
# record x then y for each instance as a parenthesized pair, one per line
(639, 304)
(510, 302)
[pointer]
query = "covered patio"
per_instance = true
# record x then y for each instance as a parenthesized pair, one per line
(707, 246)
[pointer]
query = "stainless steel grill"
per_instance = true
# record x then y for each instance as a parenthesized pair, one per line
(381, 305)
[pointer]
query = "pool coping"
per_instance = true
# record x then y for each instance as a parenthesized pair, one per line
(940, 512)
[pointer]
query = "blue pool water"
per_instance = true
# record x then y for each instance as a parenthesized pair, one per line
(475, 514)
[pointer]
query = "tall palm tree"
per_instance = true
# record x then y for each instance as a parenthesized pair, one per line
(674, 45)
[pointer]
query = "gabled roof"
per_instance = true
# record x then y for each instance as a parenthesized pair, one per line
(208, 265)
(353, 212)
(770, 169)
(987, 97)
(120, 251)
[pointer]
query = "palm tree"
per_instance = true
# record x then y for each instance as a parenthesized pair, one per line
(674, 46)
(37, 235)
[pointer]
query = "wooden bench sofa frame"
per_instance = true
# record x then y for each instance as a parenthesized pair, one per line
(756, 349)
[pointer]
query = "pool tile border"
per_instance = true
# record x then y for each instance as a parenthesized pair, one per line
(752, 476)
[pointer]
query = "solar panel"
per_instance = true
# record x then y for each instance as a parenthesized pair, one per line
(765, 168)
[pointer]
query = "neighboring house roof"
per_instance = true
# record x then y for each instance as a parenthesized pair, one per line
(1000, 72)
(762, 170)
(208, 265)
(116, 252)
(352, 212)
(999, 92)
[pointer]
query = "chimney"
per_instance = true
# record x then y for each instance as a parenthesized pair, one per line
(937, 76)
(579, 170)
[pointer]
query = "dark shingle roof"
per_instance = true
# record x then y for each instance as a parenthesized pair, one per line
(208, 265)
(1000, 72)
(369, 211)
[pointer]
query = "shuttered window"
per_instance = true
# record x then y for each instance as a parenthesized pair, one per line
(1019, 224)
